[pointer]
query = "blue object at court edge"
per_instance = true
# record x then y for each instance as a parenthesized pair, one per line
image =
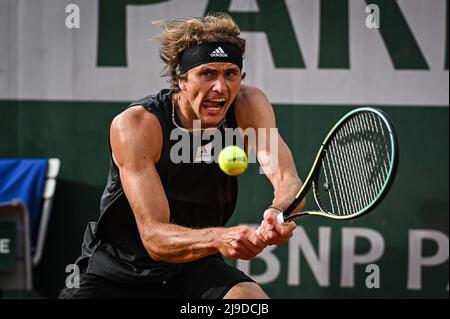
(24, 179)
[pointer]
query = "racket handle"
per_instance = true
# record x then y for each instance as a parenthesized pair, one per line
(280, 218)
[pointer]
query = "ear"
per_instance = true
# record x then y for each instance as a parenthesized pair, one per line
(182, 84)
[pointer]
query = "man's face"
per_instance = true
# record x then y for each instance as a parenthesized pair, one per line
(210, 89)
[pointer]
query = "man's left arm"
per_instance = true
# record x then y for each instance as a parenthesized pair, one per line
(255, 111)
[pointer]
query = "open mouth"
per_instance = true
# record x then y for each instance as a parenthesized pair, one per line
(214, 104)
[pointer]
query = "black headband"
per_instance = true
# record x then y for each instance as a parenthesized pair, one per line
(210, 52)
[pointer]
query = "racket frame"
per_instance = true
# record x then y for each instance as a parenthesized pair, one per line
(309, 181)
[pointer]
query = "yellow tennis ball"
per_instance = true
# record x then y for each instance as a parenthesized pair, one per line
(233, 160)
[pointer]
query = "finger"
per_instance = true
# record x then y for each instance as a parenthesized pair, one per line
(262, 232)
(242, 252)
(270, 214)
(285, 229)
(246, 254)
(269, 222)
(255, 240)
(272, 236)
(252, 248)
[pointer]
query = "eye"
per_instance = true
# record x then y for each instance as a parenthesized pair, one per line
(231, 73)
(207, 73)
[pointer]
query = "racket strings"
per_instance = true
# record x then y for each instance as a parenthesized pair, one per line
(376, 147)
(341, 196)
(382, 151)
(355, 165)
(347, 177)
(369, 151)
(330, 180)
(358, 169)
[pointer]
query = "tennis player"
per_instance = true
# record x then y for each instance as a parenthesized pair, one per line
(161, 231)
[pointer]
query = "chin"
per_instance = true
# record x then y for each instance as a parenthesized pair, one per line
(208, 120)
(212, 119)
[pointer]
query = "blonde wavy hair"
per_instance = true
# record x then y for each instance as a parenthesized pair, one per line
(180, 33)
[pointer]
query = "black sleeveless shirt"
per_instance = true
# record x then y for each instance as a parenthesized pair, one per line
(199, 194)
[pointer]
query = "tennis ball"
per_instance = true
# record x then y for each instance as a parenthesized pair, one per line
(233, 160)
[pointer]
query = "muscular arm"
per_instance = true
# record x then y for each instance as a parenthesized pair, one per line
(136, 141)
(255, 111)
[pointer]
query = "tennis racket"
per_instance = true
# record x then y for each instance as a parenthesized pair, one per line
(354, 168)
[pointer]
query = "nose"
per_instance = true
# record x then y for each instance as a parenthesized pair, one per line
(220, 86)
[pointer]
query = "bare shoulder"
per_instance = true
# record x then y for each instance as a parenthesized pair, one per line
(136, 118)
(251, 96)
(135, 132)
(253, 108)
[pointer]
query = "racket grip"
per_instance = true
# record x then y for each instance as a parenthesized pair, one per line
(280, 218)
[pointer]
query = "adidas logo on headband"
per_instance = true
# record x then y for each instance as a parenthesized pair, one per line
(219, 52)
(209, 52)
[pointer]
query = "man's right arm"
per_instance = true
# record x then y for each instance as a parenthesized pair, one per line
(136, 141)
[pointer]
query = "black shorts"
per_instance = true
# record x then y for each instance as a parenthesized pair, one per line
(209, 278)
